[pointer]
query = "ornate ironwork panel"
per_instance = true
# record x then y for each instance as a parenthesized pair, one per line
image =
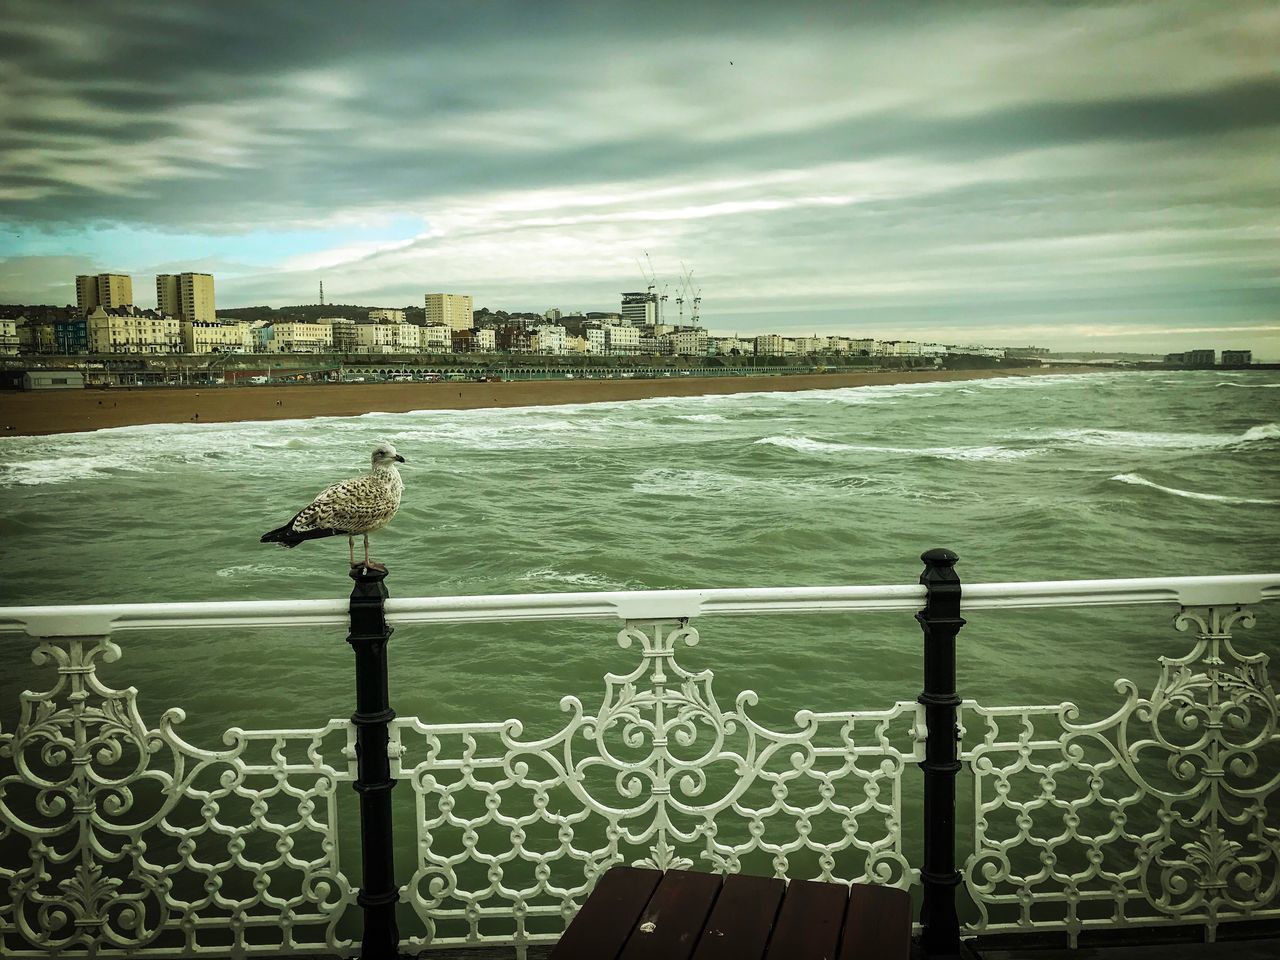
(123, 839)
(1166, 811)
(513, 832)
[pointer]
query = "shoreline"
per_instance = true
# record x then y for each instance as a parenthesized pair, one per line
(40, 413)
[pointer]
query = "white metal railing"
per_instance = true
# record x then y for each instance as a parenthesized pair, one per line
(99, 619)
(118, 838)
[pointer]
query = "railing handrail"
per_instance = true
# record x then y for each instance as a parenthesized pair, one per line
(636, 605)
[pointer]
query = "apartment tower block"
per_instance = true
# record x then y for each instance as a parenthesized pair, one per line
(452, 310)
(188, 296)
(106, 290)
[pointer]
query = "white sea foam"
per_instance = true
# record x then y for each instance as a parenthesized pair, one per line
(65, 469)
(666, 481)
(808, 445)
(1141, 481)
(1094, 437)
(1250, 386)
(670, 481)
(492, 433)
(980, 453)
(256, 570)
(33, 461)
(1267, 431)
(702, 418)
(876, 394)
(552, 575)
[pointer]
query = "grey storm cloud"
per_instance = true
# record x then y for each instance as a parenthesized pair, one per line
(898, 159)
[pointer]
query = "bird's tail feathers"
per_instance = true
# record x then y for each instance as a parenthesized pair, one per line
(286, 536)
(281, 535)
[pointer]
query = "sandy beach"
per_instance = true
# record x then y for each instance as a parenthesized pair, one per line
(71, 411)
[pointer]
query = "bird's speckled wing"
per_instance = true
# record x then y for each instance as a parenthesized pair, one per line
(358, 505)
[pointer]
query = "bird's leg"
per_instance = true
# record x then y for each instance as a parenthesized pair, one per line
(351, 548)
(369, 564)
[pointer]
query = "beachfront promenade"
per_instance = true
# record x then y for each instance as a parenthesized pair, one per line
(1160, 817)
(67, 411)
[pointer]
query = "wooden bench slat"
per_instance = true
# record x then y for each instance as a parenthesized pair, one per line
(601, 927)
(808, 925)
(877, 924)
(642, 914)
(742, 919)
(669, 926)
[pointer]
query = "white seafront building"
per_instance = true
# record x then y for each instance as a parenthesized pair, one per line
(550, 339)
(8, 337)
(375, 338)
(202, 336)
(298, 336)
(688, 343)
(770, 345)
(408, 336)
(129, 330)
(622, 339)
(344, 333)
(389, 337)
(731, 346)
(438, 338)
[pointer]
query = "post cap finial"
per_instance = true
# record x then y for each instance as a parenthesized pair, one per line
(368, 573)
(939, 557)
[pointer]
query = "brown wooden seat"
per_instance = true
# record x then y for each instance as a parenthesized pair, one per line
(637, 914)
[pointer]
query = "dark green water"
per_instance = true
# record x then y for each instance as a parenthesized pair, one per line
(1106, 475)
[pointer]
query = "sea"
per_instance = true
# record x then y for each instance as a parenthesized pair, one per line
(1109, 474)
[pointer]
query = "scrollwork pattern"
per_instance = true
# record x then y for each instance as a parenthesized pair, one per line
(139, 843)
(660, 775)
(1166, 811)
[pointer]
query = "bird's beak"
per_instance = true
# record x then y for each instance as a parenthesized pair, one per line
(399, 458)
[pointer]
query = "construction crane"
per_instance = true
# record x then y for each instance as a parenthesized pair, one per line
(649, 278)
(686, 295)
(652, 277)
(692, 293)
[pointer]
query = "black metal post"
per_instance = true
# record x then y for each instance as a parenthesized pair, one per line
(378, 893)
(940, 620)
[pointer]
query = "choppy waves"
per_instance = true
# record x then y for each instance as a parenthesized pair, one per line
(584, 581)
(1140, 481)
(37, 472)
(1097, 437)
(808, 445)
(805, 444)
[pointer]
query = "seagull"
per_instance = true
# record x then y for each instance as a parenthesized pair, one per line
(359, 505)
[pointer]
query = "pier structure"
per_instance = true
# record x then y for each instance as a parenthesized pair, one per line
(378, 833)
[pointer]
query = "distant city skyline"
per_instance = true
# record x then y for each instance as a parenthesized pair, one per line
(1086, 177)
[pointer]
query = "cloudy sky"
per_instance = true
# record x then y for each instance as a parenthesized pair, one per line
(1082, 176)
